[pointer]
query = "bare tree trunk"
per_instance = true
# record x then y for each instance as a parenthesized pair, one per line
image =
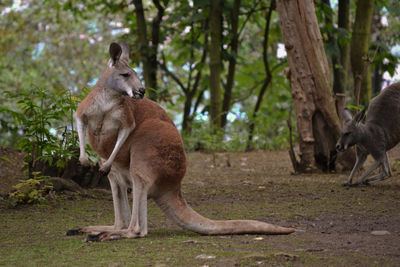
(226, 105)
(335, 57)
(155, 40)
(148, 52)
(377, 36)
(215, 62)
(317, 122)
(142, 38)
(359, 48)
(344, 24)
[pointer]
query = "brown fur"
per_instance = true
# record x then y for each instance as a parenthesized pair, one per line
(152, 161)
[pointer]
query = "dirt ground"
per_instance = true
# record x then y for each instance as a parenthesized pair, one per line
(335, 225)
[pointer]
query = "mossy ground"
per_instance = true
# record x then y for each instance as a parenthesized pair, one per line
(334, 223)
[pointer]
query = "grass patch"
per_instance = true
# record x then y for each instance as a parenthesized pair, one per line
(334, 223)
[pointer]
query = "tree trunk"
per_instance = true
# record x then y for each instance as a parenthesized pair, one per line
(332, 41)
(360, 46)
(344, 48)
(376, 33)
(148, 52)
(317, 121)
(155, 39)
(226, 105)
(215, 62)
(142, 40)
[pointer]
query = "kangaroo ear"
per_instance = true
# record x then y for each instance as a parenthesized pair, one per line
(346, 116)
(360, 115)
(125, 50)
(115, 53)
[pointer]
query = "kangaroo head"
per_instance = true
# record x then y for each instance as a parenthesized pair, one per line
(351, 129)
(121, 77)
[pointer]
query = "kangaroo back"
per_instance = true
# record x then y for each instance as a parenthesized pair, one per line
(384, 112)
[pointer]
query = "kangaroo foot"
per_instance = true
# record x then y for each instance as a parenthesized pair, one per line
(350, 185)
(74, 232)
(105, 170)
(105, 236)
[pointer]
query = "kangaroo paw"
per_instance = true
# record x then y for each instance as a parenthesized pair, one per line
(93, 238)
(84, 161)
(105, 169)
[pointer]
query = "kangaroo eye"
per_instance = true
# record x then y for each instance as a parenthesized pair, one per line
(125, 75)
(346, 134)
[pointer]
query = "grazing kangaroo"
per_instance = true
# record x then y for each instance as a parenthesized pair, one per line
(380, 133)
(140, 143)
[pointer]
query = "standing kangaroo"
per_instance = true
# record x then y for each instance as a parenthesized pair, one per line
(145, 152)
(380, 133)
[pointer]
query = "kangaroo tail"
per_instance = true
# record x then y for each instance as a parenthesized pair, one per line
(176, 208)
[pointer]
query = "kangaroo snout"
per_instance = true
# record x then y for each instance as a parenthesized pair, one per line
(141, 92)
(137, 94)
(339, 148)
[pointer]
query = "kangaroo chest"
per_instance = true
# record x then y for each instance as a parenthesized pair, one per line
(103, 124)
(104, 115)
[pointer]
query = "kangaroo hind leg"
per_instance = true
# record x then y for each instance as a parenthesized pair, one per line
(121, 207)
(385, 173)
(138, 221)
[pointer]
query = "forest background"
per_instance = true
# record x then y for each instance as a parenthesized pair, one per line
(217, 67)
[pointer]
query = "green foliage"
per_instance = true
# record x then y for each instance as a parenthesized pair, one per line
(271, 130)
(33, 190)
(45, 120)
(54, 45)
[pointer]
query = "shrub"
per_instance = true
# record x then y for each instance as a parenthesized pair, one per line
(46, 125)
(32, 190)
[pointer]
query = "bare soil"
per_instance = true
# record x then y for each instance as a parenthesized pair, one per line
(11, 164)
(336, 225)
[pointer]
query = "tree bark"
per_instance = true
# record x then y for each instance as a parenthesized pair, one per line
(148, 51)
(359, 48)
(344, 24)
(155, 40)
(332, 40)
(226, 105)
(317, 121)
(142, 40)
(215, 62)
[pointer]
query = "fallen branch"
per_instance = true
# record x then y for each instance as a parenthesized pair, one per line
(60, 184)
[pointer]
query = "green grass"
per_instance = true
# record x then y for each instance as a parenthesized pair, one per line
(334, 224)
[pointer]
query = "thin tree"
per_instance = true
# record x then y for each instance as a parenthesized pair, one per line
(341, 85)
(234, 43)
(192, 87)
(148, 51)
(268, 74)
(359, 50)
(215, 62)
